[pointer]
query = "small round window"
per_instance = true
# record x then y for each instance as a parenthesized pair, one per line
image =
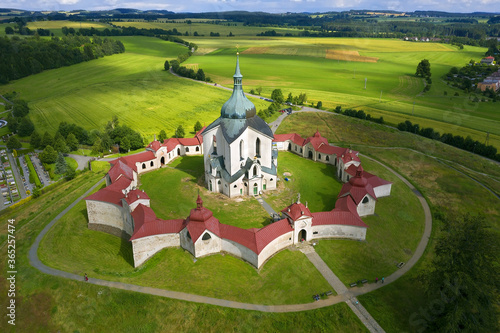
(206, 236)
(365, 200)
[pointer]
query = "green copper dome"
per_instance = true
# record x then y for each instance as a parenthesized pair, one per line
(238, 106)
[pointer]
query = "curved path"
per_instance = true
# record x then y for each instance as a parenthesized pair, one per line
(344, 296)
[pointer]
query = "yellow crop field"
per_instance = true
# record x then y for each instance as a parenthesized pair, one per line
(69, 24)
(346, 55)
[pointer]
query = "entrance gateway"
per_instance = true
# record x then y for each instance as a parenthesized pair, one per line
(302, 235)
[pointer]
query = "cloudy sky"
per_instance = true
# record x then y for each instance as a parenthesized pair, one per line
(272, 6)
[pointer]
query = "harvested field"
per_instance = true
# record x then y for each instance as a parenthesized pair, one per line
(256, 50)
(346, 55)
(205, 50)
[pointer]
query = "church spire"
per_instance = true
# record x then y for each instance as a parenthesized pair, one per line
(238, 106)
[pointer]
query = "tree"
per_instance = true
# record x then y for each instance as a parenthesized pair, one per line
(61, 165)
(49, 155)
(166, 65)
(179, 132)
(289, 99)
(72, 142)
(277, 96)
(25, 127)
(35, 139)
(319, 105)
(259, 90)
(60, 145)
(197, 126)
(97, 147)
(70, 174)
(125, 144)
(9, 31)
(200, 75)
(20, 108)
(163, 136)
(36, 192)
(13, 143)
(464, 280)
(47, 140)
(424, 69)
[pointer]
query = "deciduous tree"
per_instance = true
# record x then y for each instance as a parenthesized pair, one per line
(197, 126)
(424, 69)
(13, 143)
(179, 132)
(163, 136)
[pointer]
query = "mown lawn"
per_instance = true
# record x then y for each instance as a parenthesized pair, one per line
(315, 181)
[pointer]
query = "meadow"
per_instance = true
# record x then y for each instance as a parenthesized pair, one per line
(132, 86)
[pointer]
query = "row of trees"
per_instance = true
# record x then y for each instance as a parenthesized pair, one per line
(453, 140)
(360, 114)
(26, 56)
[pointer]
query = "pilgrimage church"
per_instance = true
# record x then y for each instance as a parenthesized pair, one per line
(239, 160)
(237, 148)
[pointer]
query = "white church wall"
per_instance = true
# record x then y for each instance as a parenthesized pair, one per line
(367, 208)
(239, 251)
(276, 245)
(144, 248)
(133, 205)
(209, 246)
(186, 242)
(383, 190)
(107, 217)
(338, 231)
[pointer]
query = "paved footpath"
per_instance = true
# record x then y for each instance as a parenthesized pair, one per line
(341, 289)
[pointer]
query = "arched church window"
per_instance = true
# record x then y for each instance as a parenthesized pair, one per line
(188, 235)
(241, 149)
(327, 158)
(215, 145)
(365, 200)
(151, 164)
(255, 170)
(144, 165)
(319, 156)
(218, 182)
(187, 149)
(235, 186)
(206, 236)
(257, 147)
(197, 148)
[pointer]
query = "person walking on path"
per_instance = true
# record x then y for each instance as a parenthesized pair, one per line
(382, 279)
(86, 277)
(376, 280)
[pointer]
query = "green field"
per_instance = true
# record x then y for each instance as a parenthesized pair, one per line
(132, 86)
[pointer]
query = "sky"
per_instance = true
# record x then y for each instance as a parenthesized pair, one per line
(271, 6)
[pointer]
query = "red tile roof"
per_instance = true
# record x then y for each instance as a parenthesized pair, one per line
(295, 138)
(118, 169)
(346, 204)
(357, 187)
(337, 217)
(155, 145)
(245, 237)
(135, 195)
(317, 140)
(171, 144)
(296, 211)
(131, 160)
(270, 232)
(375, 181)
(189, 141)
(107, 195)
(147, 224)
